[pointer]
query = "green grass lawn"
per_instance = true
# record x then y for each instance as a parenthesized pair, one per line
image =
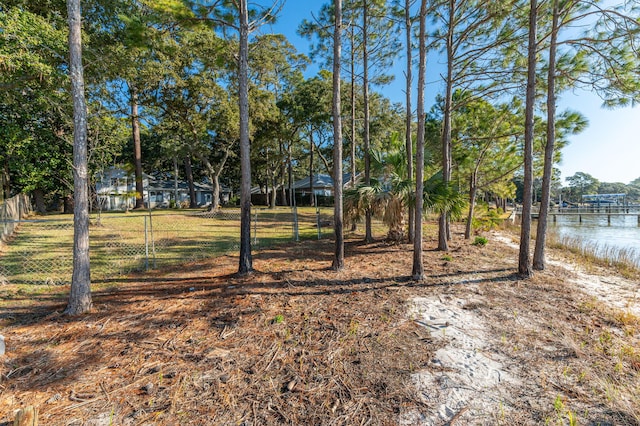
(41, 251)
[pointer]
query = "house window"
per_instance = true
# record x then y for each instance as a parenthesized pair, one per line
(114, 182)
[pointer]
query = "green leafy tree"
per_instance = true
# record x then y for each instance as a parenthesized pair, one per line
(470, 33)
(582, 184)
(485, 147)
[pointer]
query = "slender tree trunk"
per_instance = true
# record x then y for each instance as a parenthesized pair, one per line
(312, 199)
(353, 110)
(418, 267)
(137, 146)
(290, 176)
(193, 203)
(409, 118)
(245, 262)
(541, 233)
(473, 190)
(215, 192)
(366, 136)
(175, 182)
(283, 174)
(5, 192)
(443, 222)
(338, 224)
(352, 156)
(214, 176)
(524, 261)
(80, 295)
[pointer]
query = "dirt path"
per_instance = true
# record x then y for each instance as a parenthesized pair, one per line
(493, 364)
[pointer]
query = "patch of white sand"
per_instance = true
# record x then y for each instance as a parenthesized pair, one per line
(466, 381)
(615, 291)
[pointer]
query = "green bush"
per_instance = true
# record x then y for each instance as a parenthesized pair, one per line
(480, 241)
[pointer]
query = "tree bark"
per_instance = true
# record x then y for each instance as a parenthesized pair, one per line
(352, 155)
(137, 147)
(80, 294)
(473, 190)
(443, 222)
(5, 192)
(418, 267)
(409, 117)
(311, 145)
(524, 261)
(245, 262)
(366, 136)
(38, 199)
(193, 203)
(541, 232)
(338, 224)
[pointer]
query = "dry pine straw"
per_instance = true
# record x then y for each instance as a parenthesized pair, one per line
(296, 343)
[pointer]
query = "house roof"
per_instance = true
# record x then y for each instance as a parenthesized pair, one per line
(321, 181)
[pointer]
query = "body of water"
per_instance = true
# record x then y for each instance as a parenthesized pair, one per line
(622, 233)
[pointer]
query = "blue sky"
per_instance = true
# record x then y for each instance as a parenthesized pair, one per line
(608, 149)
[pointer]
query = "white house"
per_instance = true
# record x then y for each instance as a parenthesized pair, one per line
(115, 190)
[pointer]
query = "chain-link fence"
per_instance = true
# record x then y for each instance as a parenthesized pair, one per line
(11, 212)
(41, 251)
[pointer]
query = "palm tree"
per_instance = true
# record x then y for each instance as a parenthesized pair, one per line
(391, 195)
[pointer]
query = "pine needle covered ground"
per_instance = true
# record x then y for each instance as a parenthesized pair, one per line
(296, 343)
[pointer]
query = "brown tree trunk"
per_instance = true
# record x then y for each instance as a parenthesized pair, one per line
(366, 136)
(245, 262)
(193, 203)
(409, 117)
(5, 192)
(473, 190)
(541, 232)
(312, 195)
(443, 222)
(137, 147)
(524, 262)
(418, 267)
(38, 199)
(80, 294)
(338, 216)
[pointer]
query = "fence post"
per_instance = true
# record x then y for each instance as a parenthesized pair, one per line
(318, 222)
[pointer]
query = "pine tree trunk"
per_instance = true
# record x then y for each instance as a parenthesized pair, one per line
(137, 147)
(418, 267)
(311, 190)
(409, 118)
(366, 136)
(443, 222)
(541, 233)
(80, 295)
(473, 190)
(524, 261)
(338, 225)
(245, 262)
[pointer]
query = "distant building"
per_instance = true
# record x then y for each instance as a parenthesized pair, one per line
(115, 190)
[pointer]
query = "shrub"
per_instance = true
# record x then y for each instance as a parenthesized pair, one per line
(480, 241)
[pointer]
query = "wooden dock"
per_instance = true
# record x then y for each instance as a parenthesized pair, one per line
(591, 211)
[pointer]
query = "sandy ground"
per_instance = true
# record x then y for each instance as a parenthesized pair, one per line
(471, 383)
(611, 289)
